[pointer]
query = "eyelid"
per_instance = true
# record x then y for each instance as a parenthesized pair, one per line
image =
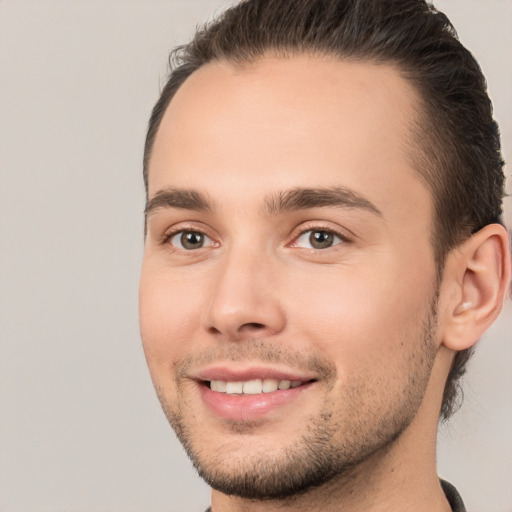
(171, 232)
(207, 241)
(298, 232)
(320, 226)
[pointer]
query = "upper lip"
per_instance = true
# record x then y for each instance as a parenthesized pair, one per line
(239, 373)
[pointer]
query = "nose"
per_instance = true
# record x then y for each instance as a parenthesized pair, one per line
(244, 300)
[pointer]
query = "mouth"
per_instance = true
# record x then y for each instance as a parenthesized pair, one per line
(254, 386)
(250, 394)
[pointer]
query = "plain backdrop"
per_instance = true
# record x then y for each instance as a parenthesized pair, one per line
(80, 427)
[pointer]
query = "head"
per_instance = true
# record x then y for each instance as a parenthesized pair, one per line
(456, 149)
(402, 55)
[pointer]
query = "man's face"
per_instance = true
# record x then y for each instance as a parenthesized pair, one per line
(288, 267)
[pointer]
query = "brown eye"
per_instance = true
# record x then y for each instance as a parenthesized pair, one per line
(318, 239)
(321, 239)
(190, 240)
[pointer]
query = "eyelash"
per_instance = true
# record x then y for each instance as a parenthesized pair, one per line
(168, 236)
(321, 228)
(317, 227)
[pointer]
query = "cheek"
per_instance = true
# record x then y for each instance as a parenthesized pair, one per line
(168, 317)
(355, 317)
(373, 333)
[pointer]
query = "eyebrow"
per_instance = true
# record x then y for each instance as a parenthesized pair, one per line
(281, 202)
(304, 198)
(178, 198)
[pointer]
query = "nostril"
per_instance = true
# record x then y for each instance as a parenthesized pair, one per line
(247, 328)
(253, 326)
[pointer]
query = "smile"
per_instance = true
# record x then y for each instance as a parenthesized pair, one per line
(254, 386)
(251, 399)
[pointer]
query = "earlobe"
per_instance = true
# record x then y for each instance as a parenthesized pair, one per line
(480, 273)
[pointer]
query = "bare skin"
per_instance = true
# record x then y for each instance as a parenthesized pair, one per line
(288, 240)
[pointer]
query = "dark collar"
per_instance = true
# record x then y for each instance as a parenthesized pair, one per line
(451, 493)
(453, 497)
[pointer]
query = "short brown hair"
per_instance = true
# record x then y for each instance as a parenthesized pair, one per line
(458, 145)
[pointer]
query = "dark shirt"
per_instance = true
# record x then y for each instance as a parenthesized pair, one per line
(451, 493)
(453, 497)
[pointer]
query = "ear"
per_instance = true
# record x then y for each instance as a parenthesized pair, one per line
(476, 283)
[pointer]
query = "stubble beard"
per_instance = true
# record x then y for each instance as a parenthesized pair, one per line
(320, 454)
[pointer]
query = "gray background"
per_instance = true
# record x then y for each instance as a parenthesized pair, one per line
(80, 428)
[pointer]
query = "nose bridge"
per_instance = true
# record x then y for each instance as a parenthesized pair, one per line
(243, 299)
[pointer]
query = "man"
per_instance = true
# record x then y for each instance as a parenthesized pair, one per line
(324, 247)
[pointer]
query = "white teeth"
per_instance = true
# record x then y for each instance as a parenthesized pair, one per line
(253, 387)
(270, 385)
(218, 385)
(234, 387)
(285, 384)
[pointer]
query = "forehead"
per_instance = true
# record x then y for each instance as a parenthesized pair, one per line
(312, 120)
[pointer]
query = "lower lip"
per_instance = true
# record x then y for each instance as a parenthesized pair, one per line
(248, 407)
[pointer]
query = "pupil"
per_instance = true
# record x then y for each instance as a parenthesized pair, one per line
(192, 240)
(321, 239)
